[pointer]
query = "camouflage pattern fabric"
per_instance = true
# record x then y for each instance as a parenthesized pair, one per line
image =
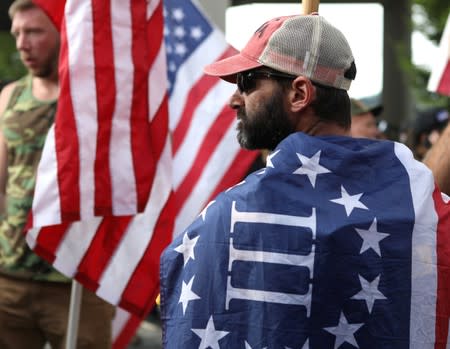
(24, 124)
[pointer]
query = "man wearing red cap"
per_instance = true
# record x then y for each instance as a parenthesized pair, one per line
(334, 243)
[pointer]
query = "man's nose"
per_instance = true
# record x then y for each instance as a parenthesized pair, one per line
(236, 100)
(22, 42)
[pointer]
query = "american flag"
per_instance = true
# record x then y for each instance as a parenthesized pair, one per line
(337, 243)
(142, 140)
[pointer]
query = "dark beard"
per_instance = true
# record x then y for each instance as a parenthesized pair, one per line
(265, 127)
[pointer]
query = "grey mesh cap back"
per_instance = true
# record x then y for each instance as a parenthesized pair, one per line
(298, 45)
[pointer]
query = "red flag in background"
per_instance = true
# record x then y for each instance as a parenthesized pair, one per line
(439, 81)
(142, 141)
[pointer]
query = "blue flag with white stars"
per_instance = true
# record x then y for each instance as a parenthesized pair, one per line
(336, 243)
(185, 29)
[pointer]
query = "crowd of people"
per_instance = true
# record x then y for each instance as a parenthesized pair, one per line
(292, 103)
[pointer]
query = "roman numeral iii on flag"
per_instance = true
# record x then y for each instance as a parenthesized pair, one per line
(141, 142)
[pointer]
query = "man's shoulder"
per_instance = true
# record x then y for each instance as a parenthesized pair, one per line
(6, 94)
(8, 90)
(9, 87)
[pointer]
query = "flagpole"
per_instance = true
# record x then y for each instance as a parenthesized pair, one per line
(74, 315)
(310, 6)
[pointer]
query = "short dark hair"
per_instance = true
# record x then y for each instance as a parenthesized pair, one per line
(332, 104)
(20, 5)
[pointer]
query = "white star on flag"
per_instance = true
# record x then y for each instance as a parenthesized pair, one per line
(371, 238)
(269, 158)
(311, 167)
(269, 162)
(203, 213)
(178, 14)
(210, 337)
(187, 248)
(350, 202)
(369, 292)
(196, 33)
(344, 332)
(179, 32)
(187, 294)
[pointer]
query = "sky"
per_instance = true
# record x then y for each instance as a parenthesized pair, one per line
(352, 19)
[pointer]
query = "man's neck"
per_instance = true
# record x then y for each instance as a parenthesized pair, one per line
(322, 128)
(312, 125)
(45, 89)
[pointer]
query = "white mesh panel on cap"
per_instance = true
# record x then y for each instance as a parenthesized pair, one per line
(310, 46)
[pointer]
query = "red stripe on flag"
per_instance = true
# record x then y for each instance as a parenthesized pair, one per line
(154, 31)
(160, 129)
(106, 240)
(443, 280)
(143, 160)
(106, 93)
(444, 83)
(49, 239)
(66, 141)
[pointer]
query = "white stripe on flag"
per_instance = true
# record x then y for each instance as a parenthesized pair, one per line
(157, 77)
(46, 204)
(121, 318)
(441, 61)
(79, 28)
(151, 7)
(31, 237)
(124, 197)
(74, 245)
(424, 258)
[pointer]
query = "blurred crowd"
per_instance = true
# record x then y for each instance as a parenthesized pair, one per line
(419, 133)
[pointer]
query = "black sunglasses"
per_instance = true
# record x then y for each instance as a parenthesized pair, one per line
(246, 81)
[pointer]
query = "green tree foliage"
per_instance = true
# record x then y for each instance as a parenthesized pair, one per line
(10, 66)
(433, 15)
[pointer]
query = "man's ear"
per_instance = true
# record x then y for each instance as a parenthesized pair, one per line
(302, 94)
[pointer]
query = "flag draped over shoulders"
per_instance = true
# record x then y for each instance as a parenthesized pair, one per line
(337, 243)
(142, 140)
